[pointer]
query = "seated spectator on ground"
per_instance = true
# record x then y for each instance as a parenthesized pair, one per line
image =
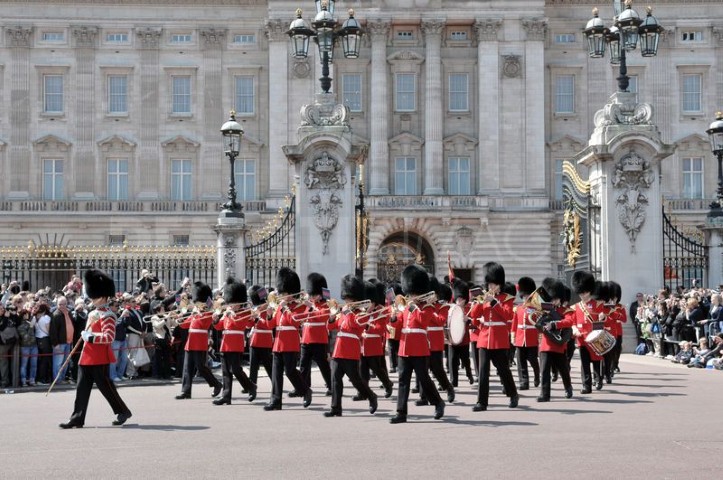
(685, 354)
(703, 359)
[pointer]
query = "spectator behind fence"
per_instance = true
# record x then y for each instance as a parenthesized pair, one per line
(42, 335)
(28, 350)
(8, 339)
(61, 336)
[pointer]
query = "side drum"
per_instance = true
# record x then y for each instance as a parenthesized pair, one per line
(600, 341)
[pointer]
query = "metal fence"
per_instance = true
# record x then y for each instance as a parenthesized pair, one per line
(274, 250)
(685, 260)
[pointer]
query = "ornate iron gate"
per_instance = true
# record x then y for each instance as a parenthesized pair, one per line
(685, 260)
(273, 251)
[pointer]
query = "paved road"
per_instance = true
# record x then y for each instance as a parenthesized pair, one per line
(657, 420)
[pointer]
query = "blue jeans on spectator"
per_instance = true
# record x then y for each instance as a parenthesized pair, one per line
(60, 354)
(28, 356)
(118, 369)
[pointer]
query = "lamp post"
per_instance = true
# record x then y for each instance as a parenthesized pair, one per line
(325, 33)
(623, 36)
(232, 133)
(361, 227)
(715, 133)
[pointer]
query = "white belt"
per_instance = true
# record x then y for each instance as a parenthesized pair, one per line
(197, 330)
(315, 324)
(283, 328)
(435, 329)
(525, 327)
(414, 330)
(494, 324)
(233, 332)
(253, 330)
(348, 335)
(371, 335)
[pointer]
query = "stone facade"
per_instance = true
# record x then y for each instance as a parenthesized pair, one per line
(463, 108)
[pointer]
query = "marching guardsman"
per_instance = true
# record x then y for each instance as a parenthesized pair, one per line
(375, 329)
(233, 325)
(315, 332)
(458, 353)
(552, 353)
(435, 335)
(494, 316)
(197, 344)
(525, 335)
(619, 316)
(287, 344)
(414, 345)
(347, 349)
(261, 338)
(97, 353)
(394, 333)
(590, 315)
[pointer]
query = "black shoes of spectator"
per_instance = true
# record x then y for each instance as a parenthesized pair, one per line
(609, 379)
(122, 418)
(415, 390)
(398, 418)
(478, 407)
(450, 395)
(221, 401)
(272, 406)
(421, 402)
(439, 411)
(599, 385)
(307, 398)
(182, 396)
(216, 390)
(514, 400)
(373, 404)
(332, 413)
(70, 424)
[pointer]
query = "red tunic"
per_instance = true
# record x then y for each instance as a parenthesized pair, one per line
(523, 327)
(287, 329)
(234, 330)
(197, 326)
(567, 320)
(618, 316)
(495, 322)
(586, 323)
(262, 332)
(395, 325)
(316, 327)
(435, 331)
(475, 313)
(373, 337)
(348, 337)
(413, 341)
(99, 352)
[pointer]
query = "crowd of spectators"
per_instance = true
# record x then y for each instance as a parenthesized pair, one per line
(684, 326)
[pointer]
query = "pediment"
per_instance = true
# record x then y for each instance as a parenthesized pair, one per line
(52, 142)
(567, 143)
(405, 56)
(180, 143)
(693, 143)
(460, 144)
(251, 143)
(406, 143)
(116, 142)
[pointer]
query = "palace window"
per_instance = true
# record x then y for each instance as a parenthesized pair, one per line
(117, 94)
(351, 84)
(693, 177)
(245, 177)
(53, 93)
(245, 94)
(406, 92)
(565, 94)
(459, 92)
(692, 92)
(459, 176)
(117, 179)
(181, 95)
(181, 180)
(53, 179)
(405, 176)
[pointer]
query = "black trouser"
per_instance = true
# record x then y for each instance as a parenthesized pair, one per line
(458, 354)
(524, 355)
(318, 353)
(45, 363)
(618, 350)
(475, 357)
(500, 359)
(378, 366)
(420, 367)
(393, 352)
(74, 363)
(196, 360)
(350, 368)
(259, 356)
(285, 362)
(87, 376)
(162, 358)
(585, 362)
(607, 364)
(570, 352)
(231, 367)
(436, 366)
(558, 361)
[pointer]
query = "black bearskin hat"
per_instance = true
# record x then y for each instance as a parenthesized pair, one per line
(378, 296)
(616, 291)
(552, 289)
(98, 284)
(415, 280)
(525, 286)
(460, 289)
(566, 294)
(397, 287)
(201, 292)
(444, 292)
(287, 281)
(583, 282)
(433, 283)
(315, 283)
(352, 288)
(257, 294)
(234, 292)
(601, 291)
(509, 288)
(494, 273)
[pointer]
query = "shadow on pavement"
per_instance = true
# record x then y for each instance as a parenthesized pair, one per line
(164, 428)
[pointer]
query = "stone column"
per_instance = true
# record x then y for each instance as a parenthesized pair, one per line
(713, 230)
(230, 244)
(379, 161)
(19, 155)
(488, 94)
(279, 169)
(534, 156)
(150, 163)
(433, 149)
(85, 102)
(215, 111)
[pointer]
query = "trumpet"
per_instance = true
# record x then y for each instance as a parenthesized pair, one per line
(401, 302)
(274, 299)
(374, 315)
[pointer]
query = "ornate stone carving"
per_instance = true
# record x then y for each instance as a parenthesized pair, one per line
(718, 34)
(406, 55)
(149, 37)
(229, 253)
(486, 29)
(276, 30)
(627, 113)
(535, 28)
(512, 66)
(213, 37)
(85, 36)
(301, 68)
(324, 115)
(632, 176)
(378, 29)
(464, 241)
(324, 177)
(432, 27)
(19, 36)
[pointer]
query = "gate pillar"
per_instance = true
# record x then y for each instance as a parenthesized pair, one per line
(713, 230)
(325, 160)
(230, 242)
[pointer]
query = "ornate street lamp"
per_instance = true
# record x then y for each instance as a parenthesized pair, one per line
(232, 133)
(325, 32)
(362, 227)
(715, 133)
(627, 30)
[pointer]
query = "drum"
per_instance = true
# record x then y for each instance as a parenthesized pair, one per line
(456, 324)
(600, 341)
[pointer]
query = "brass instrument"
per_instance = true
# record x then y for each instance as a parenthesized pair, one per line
(401, 302)
(374, 315)
(484, 296)
(274, 299)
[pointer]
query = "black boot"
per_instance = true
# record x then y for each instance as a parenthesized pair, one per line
(398, 418)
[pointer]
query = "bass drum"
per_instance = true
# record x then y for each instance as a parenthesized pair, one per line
(600, 341)
(456, 324)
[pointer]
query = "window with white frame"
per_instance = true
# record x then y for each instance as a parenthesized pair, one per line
(53, 36)
(53, 93)
(693, 177)
(351, 84)
(181, 38)
(181, 94)
(53, 179)
(116, 37)
(458, 92)
(565, 38)
(244, 94)
(244, 39)
(405, 176)
(406, 92)
(117, 179)
(245, 177)
(117, 94)
(181, 180)
(557, 178)
(181, 240)
(404, 34)
(458, 35)
(459, 176)
(116, 240)
(692, 85)
(565, 94)
(691, 36)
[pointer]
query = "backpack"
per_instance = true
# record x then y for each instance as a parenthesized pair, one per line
(641, 349)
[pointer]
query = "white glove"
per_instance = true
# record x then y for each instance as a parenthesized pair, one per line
(87, 335)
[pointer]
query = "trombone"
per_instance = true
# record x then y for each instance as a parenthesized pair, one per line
(401, 302)
(274, 299)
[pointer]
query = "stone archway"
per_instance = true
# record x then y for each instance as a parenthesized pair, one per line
(399, 250)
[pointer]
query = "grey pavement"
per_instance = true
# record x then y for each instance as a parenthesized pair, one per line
(657, 420)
